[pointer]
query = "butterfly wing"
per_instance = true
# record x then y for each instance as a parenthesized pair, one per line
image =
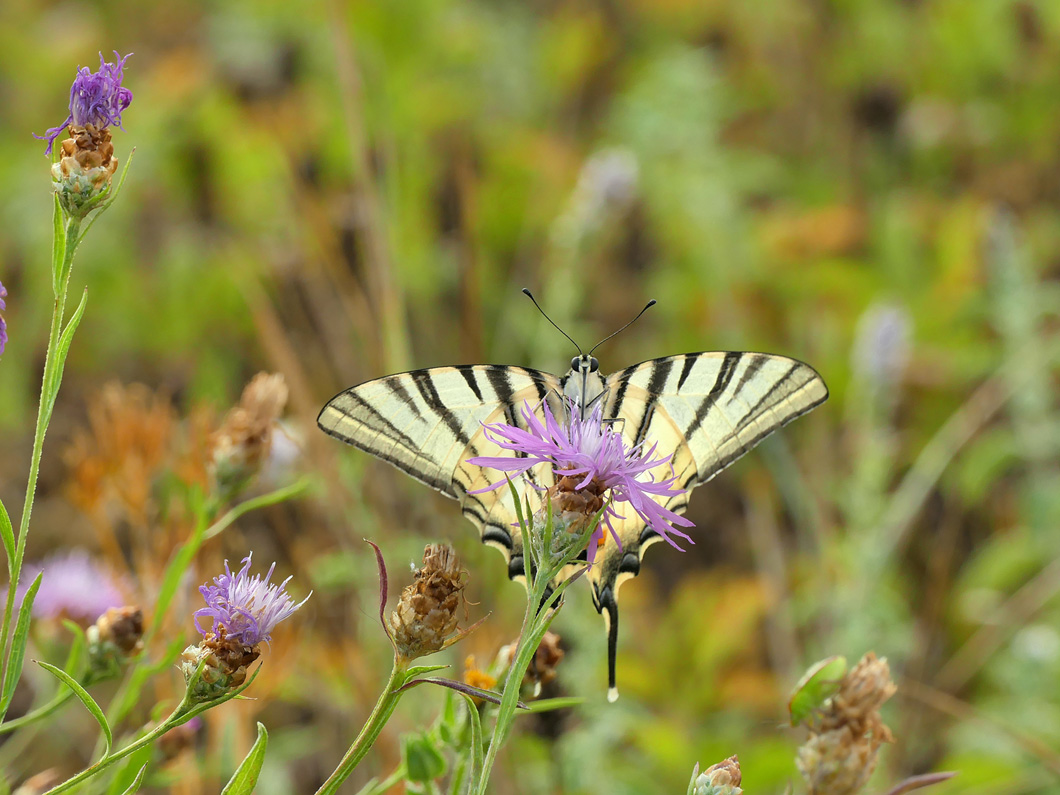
(428, 422)
(707, 410)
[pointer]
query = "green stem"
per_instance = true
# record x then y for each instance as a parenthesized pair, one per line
(182, 713)
(43, 711)
(513, 684)
(384, 708)
(49, 390)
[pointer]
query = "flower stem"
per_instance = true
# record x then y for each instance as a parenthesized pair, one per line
(63, 257)
(524, 653)
(180, 715)
(384, 708)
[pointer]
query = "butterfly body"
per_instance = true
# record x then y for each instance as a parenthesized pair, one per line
(702, 411)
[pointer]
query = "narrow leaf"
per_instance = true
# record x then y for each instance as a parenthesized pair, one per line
(136, 781)
(460, 687)
(245, 778)
(86, 699)
(7, 535)
(18, 644)
(51, 389)
(420, 670)
(476, 739)
(550, 704)
(382, 585)
(916, 782)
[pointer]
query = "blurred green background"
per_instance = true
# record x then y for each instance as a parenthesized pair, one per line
(338, 191)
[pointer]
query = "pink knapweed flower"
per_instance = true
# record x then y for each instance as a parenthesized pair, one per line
(247, 608)
(96, 98)
(590, 455)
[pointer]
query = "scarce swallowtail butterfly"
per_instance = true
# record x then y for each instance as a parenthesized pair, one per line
(704, 409)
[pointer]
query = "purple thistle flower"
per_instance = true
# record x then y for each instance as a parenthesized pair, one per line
(74, 586)
(247, 608)
(96, 98)
(3, 323)
(593, 451)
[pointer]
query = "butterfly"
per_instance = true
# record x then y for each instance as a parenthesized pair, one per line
(703, 409)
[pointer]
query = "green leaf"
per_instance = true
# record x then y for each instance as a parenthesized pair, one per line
(77, 647)
(476, 738)
(136, 781)
(86, 699)
(7, 535)
(245, 778)
(423, 761)
(419, 670)
(18, 644)
(51, 389)
(817, 685)
(550, 704)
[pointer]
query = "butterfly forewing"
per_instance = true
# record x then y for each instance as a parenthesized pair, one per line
(429, 422)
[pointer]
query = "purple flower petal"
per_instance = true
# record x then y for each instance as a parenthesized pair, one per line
(96, 98)
(247, 608)
(589, 449)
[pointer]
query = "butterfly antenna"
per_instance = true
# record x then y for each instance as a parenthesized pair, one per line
(530, 295)
(647, 306)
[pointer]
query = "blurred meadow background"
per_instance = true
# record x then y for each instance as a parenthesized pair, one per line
(339, 191)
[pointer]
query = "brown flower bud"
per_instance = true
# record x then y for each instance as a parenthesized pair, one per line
(85, 169)
(123, 627)
(847, 733)
(425, 620)
(226, 660)
(543, 666)
(242, 442)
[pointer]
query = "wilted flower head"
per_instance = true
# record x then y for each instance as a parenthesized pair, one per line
(97, 99)
(245, 608)
(425, 619)
(243, 441)
(74, 586)
(721, 779)
(847, 732)
(591, 461)
(3, 323)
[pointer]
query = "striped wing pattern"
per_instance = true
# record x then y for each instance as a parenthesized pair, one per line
(704, 409)
(427, 423)
(707, 410)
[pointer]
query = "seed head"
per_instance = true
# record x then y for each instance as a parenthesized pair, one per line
(425, 619)
(846, 735)
(243, 441)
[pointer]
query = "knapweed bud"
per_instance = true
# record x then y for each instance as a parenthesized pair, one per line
(425, 619)
(112, 640)
(87, 163)
(244, 611)
(846, 734)
(720, 779)
(224, 660)
(243, 441)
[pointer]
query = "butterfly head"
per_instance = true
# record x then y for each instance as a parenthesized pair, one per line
(584, 384)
